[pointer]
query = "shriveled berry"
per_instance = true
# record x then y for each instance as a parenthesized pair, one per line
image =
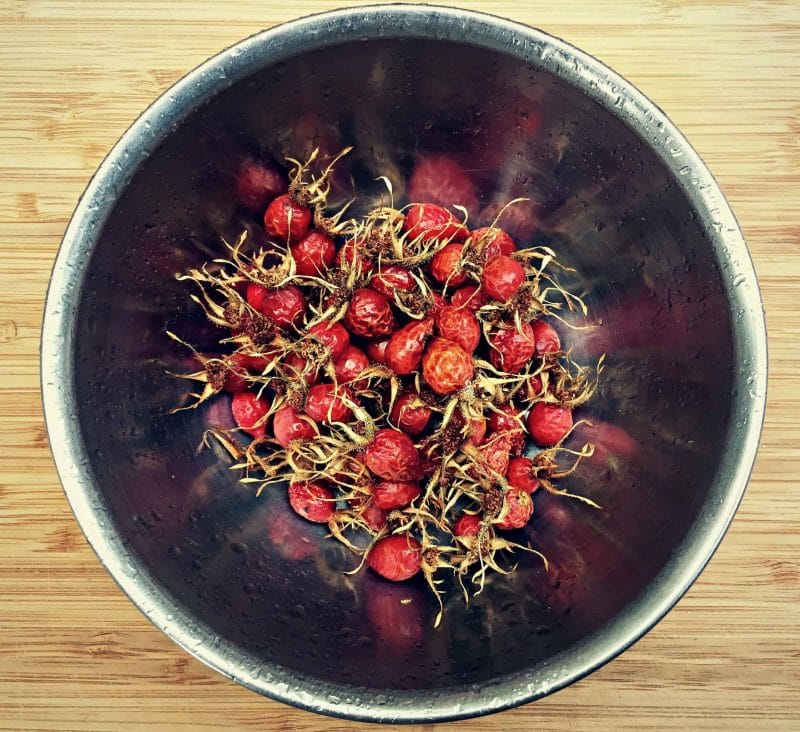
(437, 303)
(250, 411)
(395, 494)
(469, 296)
(493, 456)
(392, 456)
(492, 242)
(325, 403)
(396, 557)
(446, 267)
(257, 184)
(548, 424)
(350, 364)
(284, 306)
(441, 180)
(502, 277)
(477, 431)
(516, 511)
(459, 325)
(376, 350)
(295, 366)
(313, 254)
(520, 474)
(468, 524)
(286, 221)
(404, 350)
(392, 277)
(288, 425)
(351, 257)
(512, 349)
(410, 413)
(545, 337)
(369, 314)
(332, 335)
(312, 501)
(507, 421)
(373, 516)
(446, 367)
(426, 221)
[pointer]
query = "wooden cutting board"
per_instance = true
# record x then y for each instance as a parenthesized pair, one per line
(76, 654)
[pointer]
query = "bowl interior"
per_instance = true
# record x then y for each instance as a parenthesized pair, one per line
(264, 580)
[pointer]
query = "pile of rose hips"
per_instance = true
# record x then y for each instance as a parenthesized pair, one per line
(396, 370)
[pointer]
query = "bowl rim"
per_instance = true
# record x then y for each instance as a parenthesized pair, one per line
(574, 67)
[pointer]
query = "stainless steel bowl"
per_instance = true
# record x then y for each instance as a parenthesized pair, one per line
(247, 588)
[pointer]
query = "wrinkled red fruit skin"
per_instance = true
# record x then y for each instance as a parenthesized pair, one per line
(288, 426)
(257, 184)
(438, 302)
(468, 525)
(519, 475)
(549, 423)
(446, 367)
(350, 364)
(376, 350)
(396, 557)
(504, 422)
(313, 254)
(332, 335)
(477, 431)
(286, 221)
(441, 180)
(445, 266)
(502, 277)
(411, 420)
(545, 337)
(459, 325)
(285, 307)
(324, 403)
(392, 456)
(247, 410)
(394, 494)
(428, 222)
(404, 350)
(294, 366)
(520, 509)
(369, 314)
(392, 277)
(512, 350)
(494, 456)
(493, 242)
(469, 296)
(312, 501)
(350, 257)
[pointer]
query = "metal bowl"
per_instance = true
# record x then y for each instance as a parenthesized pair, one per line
(619, 193)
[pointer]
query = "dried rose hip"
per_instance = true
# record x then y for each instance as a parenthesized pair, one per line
(545, 337)
(235, 374)
(492, 242)
(437, 303)
(426, 221)
(376, 350)
(350, 256)
(350, 364)
(520, 475)
(441, 180)
(257, 184)
(395, 494)
(396, 558)
(332, 335)
(286, 221)
(410, 414)
(285, 306)
(373, 516)
(517, 507)
(369, 314)
(288, 425)
(507, 421)
(312, 501)
(313, 254)
(392, 277)
(404, 350)
(494, 456)
(250, 411)
(468, 525)
(469, 296)
(477, 431)
(502, 277)
(446, 367)
(392, 456)
(548, 424)
(446, 266)
(459, 325)
(295, 366)
(325, 404)
(512, 350)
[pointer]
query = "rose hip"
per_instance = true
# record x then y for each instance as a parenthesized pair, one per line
(404, 350)
(369, 314)
(410, 414)
(390, 278)
(376, 350)
(507, 421)
(517, 507)
(446, 367)
(494, 456)
(288, 425)
(492, 242)
(250, 411)
(395, 494)
(397, 557)
(235, 374)
(373, 516)
(325, 404)
(467, 525)
(446, 268)
(312, 501)
(286, 221)
(427, 222)
(545, 337)
(477, 431)
(502, 277)
(469, 296)
(548, 424)
(295, 366)
(459, 325)
(350, 256)
(350, 364)
(332, 335)
(392, 456)
(257, 184)
(520, 475)
(512, 350)
(285, 306)
(313, 254)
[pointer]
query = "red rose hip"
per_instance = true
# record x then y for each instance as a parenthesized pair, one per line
(313, 254)
(426, 221)
(468, 525)
(517, 507)
(459, 325)
(545, 337)
(446, 367)
(502, 277)
(285, 306)
(520, 475)
(446, 266)
(392, 456)
(512, 349)
(390, 278)
(410, 414)
(332, 335)
(286, 221)
(312, 501)
(376, 350)
(548, 424)
(249, 411)
(397, 557)
(492, 242)
(350, 364)
(288, 425)
(404, 349)
(369, 314)
(395, 494)
(469, 296)
(325, 404)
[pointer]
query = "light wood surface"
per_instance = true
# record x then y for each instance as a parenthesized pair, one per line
(76, 654)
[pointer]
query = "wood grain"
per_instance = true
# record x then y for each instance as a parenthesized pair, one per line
(74, 652)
